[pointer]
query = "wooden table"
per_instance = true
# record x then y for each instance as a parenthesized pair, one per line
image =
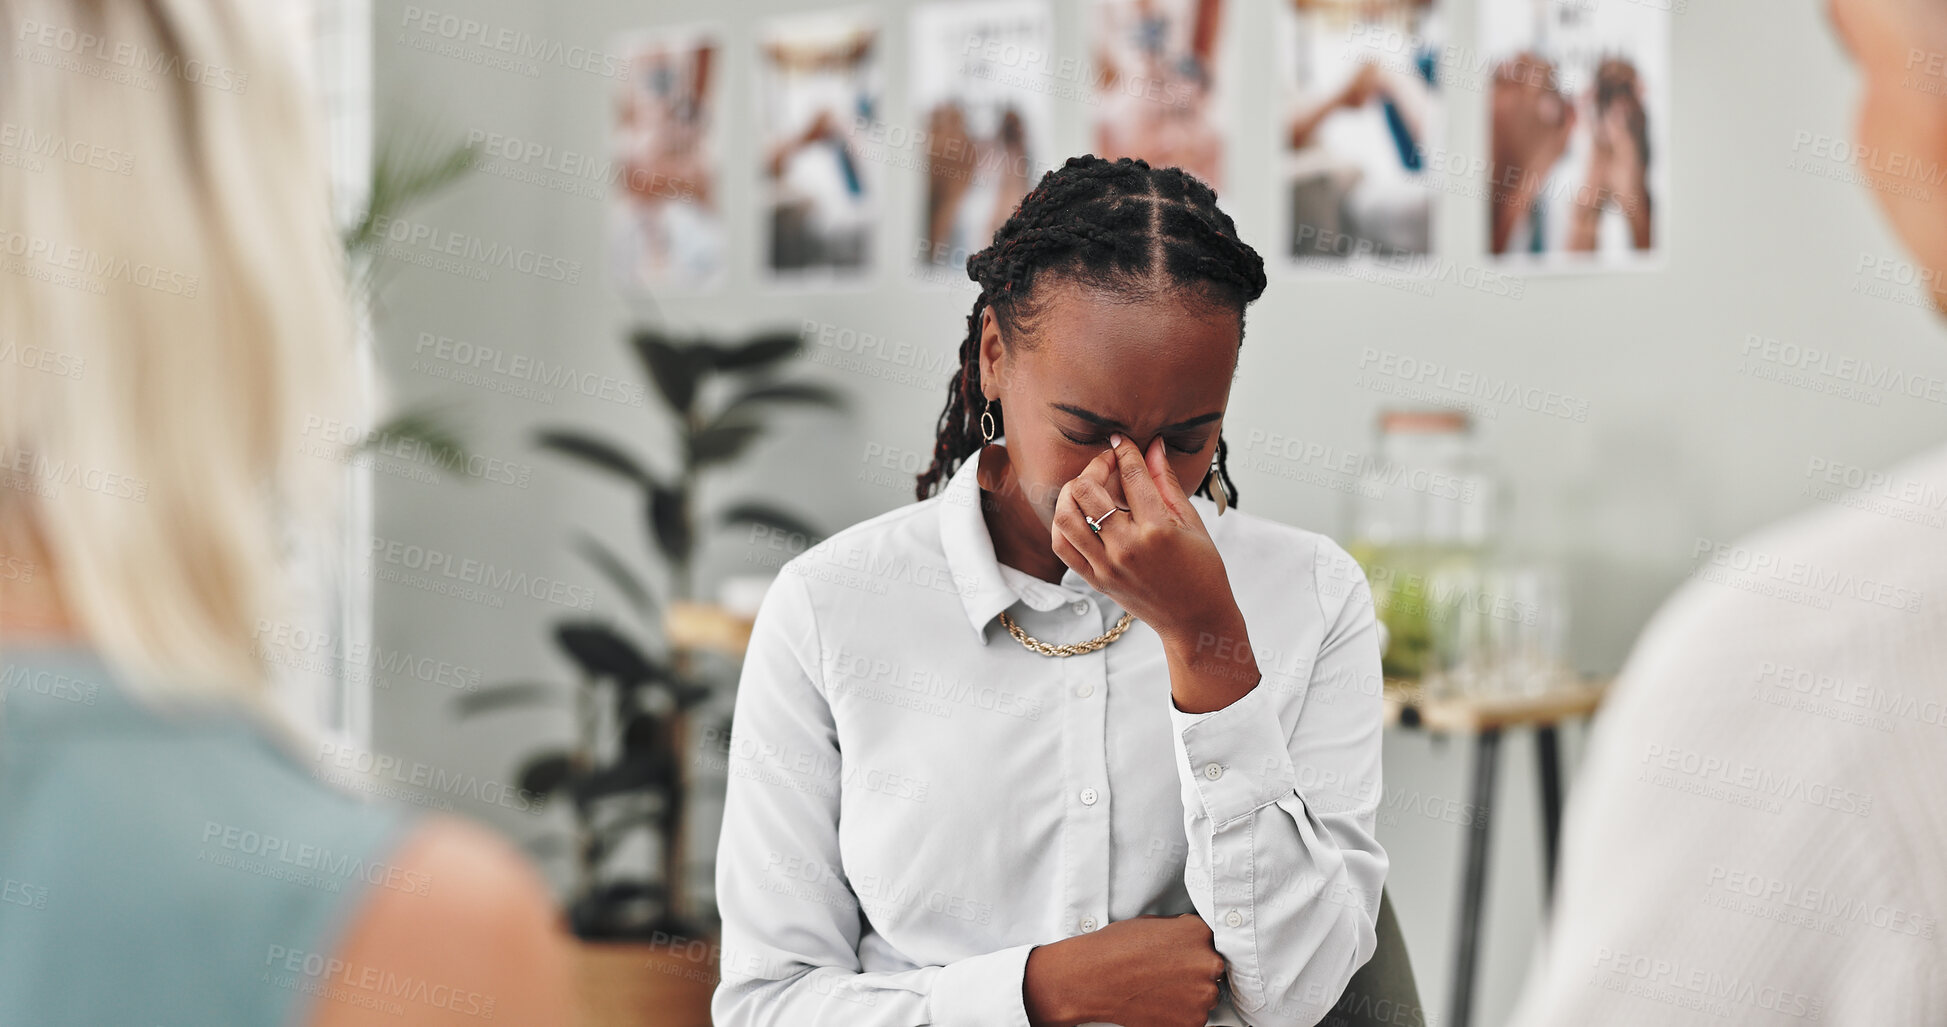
(1485, 717)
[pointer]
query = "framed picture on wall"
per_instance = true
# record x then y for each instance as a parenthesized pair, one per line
(1158, 83)
(667, 226)
(1579, 111)
(1361, 111)
(819, 92)
(983, 131)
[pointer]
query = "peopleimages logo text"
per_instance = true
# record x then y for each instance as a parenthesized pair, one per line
(446, 242)
(1461, 382)
(439, 566)
(1806, 575)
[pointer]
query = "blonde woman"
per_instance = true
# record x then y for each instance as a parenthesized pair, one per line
(170, 314)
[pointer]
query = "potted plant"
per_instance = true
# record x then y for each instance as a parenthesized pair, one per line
(642, 680)
(408, 168)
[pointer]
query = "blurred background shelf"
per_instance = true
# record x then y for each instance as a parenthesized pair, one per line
(1408, 705)
(1484, 715)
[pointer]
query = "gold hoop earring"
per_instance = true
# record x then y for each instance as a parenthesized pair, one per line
(987, 421)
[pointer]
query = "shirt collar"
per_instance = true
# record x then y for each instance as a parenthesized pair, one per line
(991, 586)
(995, 586)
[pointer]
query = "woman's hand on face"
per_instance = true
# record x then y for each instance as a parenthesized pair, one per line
(1156, 559)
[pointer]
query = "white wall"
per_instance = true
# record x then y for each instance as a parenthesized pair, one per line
(1679, 442)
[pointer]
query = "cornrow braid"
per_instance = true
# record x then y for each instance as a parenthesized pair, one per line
(1118, 225)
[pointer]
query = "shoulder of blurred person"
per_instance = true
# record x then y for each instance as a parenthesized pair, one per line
(487, 931)
(1754, 831)
(172, 859)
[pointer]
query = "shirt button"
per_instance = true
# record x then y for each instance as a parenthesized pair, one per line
(1078, 606)
(1234, 918)
(1088, 796)
(1213, 771)
(1084, 689)
(1088, 923)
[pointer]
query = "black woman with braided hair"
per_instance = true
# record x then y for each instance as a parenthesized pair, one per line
(1067, 740)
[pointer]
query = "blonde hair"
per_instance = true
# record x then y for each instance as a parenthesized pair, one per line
(173, 319)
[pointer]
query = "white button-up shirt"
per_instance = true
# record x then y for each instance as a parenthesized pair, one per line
(916, 800)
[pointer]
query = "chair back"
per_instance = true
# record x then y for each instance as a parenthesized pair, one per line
(1382, 993)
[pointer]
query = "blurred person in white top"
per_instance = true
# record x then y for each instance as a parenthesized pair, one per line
(1756, 835)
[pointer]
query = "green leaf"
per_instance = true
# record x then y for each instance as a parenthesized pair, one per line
(602, 652)
(809, 393)
(596, 453)
(512, 695)
(676, 370)
(688, 695)
(768, 516)
(669, 522)
(634, 771)
(617, 572)
(547, 773)
(408, 167)
(722, 441)
(759, 351)
(424, 427)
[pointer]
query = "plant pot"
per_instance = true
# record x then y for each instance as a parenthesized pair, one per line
(645, 984)
(707, 626)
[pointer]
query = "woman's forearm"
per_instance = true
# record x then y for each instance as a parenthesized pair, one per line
(1048, 992)
(1211, 667)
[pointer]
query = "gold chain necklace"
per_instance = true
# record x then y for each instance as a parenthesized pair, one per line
(1075, 649)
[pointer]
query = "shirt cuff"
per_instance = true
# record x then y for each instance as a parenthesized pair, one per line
(1235, 756)
(983, 990)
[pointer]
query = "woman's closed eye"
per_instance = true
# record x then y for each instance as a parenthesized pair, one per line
(1097, 440)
